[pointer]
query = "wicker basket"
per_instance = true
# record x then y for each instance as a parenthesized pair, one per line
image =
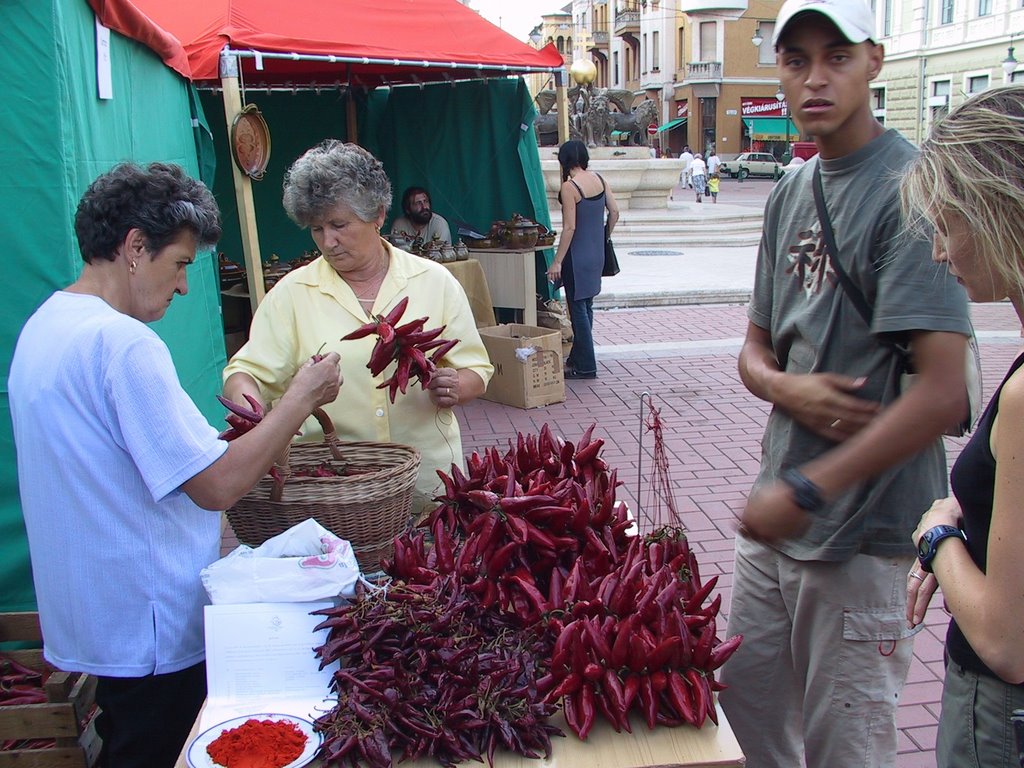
(369, 504)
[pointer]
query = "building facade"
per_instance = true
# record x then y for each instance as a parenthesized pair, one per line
(939, 53)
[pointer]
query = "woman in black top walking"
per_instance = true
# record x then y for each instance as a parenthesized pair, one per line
(580, 257)
(968, 183)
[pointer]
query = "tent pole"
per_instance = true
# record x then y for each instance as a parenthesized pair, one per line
(243, 185)
(562, 106)
(351, 124)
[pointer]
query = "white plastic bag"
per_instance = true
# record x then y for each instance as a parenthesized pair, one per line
(306, 562)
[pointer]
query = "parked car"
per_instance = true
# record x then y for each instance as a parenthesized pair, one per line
(751, 164)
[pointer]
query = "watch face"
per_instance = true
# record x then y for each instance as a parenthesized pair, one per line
(923, 547)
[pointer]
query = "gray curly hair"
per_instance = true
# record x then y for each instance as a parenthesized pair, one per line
(335, 172)
(972, 166)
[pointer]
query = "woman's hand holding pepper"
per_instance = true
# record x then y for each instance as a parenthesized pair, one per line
(444, 387)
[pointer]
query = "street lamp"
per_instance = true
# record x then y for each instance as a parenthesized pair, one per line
(781, 97)
(1009, 63)
(757, 39)
(536, 37)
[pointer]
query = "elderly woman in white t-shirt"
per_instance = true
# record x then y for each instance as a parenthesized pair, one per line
(699, 176)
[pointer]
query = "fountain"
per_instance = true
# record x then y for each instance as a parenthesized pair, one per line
(638, 180)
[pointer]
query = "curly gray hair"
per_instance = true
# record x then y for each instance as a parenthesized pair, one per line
(335, 172)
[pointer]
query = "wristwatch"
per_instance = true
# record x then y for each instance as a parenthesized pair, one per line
(806, 494)
(928, 544)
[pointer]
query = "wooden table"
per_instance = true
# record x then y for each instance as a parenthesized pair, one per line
(683, 747)
(471, 277)
(512, 278)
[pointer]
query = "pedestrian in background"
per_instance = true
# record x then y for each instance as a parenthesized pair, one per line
(713, 162)
(687, 158)
(849, 462)
(968, 183)
(699, 176)
(714, 180)
(579, 260)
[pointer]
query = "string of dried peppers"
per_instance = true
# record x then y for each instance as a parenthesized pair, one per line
(415, 351)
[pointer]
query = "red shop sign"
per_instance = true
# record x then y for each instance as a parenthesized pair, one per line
(753, 106)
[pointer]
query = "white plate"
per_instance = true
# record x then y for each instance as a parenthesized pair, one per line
(197, 756)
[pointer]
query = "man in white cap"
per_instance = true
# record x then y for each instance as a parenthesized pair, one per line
(849, 463)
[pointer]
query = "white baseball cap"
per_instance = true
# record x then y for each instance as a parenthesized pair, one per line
(854, 18)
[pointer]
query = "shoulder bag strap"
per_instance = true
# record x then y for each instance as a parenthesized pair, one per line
(855, 294)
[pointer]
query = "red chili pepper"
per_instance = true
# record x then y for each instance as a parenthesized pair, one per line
(648, 702)
(700, 595)
(721, 652)
(681, 697)
(587, 711)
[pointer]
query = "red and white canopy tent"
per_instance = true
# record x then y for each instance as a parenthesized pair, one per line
(352, 44)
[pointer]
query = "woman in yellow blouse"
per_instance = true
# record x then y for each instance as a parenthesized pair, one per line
(341, 192)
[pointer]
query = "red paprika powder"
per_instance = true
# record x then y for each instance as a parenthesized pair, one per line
(258, 744)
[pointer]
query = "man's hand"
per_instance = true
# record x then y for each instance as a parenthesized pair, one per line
(771, 514)
(825, 403)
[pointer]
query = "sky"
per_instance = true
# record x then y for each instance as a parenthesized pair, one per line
(517, 17)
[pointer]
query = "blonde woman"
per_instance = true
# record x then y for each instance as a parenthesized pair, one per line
(968, 182)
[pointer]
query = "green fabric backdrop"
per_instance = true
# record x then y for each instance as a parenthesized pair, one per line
(470, 143)
(58, 136)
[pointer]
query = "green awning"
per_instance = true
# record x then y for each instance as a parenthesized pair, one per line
(672, 124)
(772, 128)
(619, 134)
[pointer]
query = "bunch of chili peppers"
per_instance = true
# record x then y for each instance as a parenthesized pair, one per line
(21, 685)
(415, 350)
(426, 670)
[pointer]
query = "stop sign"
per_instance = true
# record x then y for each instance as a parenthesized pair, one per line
(652, 129)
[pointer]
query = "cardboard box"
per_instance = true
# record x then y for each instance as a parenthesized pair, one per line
(527, 365)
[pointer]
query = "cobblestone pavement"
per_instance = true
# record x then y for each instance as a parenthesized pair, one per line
(685, 357)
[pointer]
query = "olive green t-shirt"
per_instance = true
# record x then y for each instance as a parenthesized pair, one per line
(816, 328)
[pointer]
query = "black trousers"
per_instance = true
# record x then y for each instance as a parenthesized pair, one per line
(144, 721)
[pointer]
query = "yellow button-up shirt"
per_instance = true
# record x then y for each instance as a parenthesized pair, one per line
(312, 307)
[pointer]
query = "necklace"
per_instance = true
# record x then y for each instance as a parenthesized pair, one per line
(369, 294)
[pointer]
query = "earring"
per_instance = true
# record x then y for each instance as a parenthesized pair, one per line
(132, 266)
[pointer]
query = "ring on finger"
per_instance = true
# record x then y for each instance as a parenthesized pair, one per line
(916, 575)
(834, 424)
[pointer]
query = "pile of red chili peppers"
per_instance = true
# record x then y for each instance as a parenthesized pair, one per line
(408, 345)
(258, 744)
(528, 592)
(21, 685)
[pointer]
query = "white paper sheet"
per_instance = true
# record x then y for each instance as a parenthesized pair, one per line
(259, 658)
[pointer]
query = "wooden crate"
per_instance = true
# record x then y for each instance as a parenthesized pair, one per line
(70, 703)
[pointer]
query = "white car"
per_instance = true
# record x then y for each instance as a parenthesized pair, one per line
(751, 164)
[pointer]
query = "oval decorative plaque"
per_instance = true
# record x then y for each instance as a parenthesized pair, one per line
(250, 142)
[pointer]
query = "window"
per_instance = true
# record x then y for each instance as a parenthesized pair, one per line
(655, 54)
(682, 48)
(878, 104)
(946, 11)
(766, 51)
(709, 41)
(1017, 77)
(615, 68)
(645, 51)
(977, 84)
(887, 19)
(984, 7)
(938, 104)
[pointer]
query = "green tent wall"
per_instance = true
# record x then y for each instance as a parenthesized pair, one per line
(471, 143)
(58, 136)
